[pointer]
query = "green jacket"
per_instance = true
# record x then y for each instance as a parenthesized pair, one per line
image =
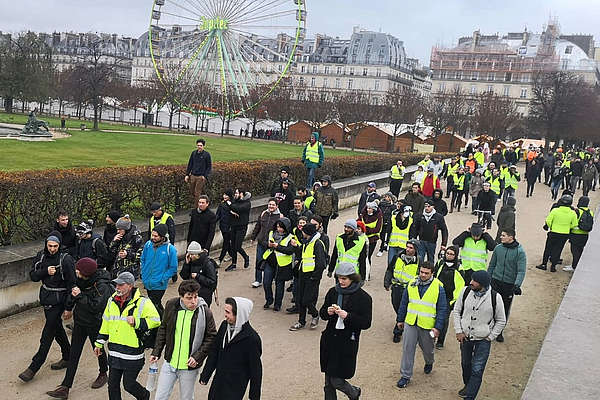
(310, 164)
(562, 219)
(508, 263)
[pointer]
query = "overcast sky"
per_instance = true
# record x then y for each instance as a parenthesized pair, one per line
(421, 24)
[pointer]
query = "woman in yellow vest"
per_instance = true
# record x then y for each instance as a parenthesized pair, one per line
(278, 260)
(372, 217)
(447, 271)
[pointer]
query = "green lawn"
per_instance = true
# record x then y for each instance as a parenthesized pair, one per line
(100, 149)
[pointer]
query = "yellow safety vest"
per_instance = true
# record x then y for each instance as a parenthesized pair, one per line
(371, 225)
(452, 169)
(308, 201)
(474, 255)
(480, 158)
(397, 173)
(421, 310)
(283, 260)
(312, 152)
(399, 237)
(495, 185)
(352, 254)
(308, 255)
(404, 273)
(163, 220)
(459, 182)
(511, 181)
(459, 283)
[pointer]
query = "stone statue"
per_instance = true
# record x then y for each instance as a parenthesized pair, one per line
(34, 125)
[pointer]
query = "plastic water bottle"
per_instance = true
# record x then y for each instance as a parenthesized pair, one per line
(152, 376)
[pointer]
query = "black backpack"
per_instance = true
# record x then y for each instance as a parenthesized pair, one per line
(146, 337)
(586, 221)
(494, 301)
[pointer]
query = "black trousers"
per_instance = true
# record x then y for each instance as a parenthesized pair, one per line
(325, 222)
(156, 297)
(587, 186)
(456, 199)
(506, 291)
(238, 234)
(80, 333)
(557, 243)
(442, 337)
(530, 186)
(385, 235)
(53, 330)
(396, 186)
(306, 300)
(130, 384)
(372, 246)
(396, 296)
(227, 246)
(578, 243)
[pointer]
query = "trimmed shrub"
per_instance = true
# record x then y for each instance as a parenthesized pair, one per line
(29, 200)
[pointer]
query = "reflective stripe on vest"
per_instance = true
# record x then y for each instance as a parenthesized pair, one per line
(404, 273)
(474, 255)
(308, 256)
(511, 181)
(495, 185)
(371, 225)
(459, 283)
(421, 310)
(459, 182)
(397, 173)
(399, 237)
(312, 152)
(352, 254)
(282, 259)
(452, 169)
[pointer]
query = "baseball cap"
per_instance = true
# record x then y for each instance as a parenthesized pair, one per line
(124, 277)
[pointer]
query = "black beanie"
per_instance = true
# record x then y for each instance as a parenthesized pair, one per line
(309, 229)
(114, 215)
(482, 277)
(161, 229)
(584, 201)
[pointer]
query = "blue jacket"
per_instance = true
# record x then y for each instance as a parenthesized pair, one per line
(441, 308)
(158, 265)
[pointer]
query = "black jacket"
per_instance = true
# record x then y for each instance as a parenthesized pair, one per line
(133, 244)
(206, 275)
(199, 164)
(446, 276)
(202, 227)
(89, 305)
(223, 217)
(242, 208)
(109, 233)
(93, 248)
(295, 215)
(276, 185)
(428, 230)
(348, 244)
(460, 240)
(339, 347)
(285, 200)
(486, 200)
(235, 365)
(497, 158)
(68, 243)
(439, 204)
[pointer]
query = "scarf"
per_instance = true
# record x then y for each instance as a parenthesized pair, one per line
(428, 215)
(408, 259)
(419, 282)
(340, 299)
(278, 236)
(481, 292)
(200, 325)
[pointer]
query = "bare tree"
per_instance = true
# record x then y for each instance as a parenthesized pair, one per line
(494, 114)
(403, 106)
(353, 109)
(436, 114)
(282, 108)
(314, 106)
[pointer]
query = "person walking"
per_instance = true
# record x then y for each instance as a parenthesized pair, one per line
(326, 202)
(415, 199)
(285, 198)
(368, 196)
(313, 157)
(161, 217)
(85, 304)
(426, 228)
(549, 163)
(507, 270)
(559, 222)
(91, 245)
(511, 183)
(348, 311)
(299, 210)
(64, 226)
(474, 244)
(200, 267)
(588, 175)
(234, 356)
(397, 178)
(198, 170)
(402, 270)
(421, 314)
(110, 230)
(558, 175)
(580, 234)
(506, 217)
(186, 335)
(458, 189)
(224, 216)
(125, 312)
(429, 183)
(401, 222)
(203, 223)
(158, 265)
(475, 186)
(56, 270)
(486, 205)
(349, 248)
(239, 208)
(448, 272)
(478, 319)
(314, 261)
(387, 206)
(372, 217)
(279, 258)
(439, 203)
(263, 226)
(126, 248)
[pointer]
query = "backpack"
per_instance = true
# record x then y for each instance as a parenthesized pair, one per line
(146, 337)
(586, 221)
(494, 301)
(216, 268)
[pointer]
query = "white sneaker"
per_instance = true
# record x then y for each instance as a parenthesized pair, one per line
(227, 258)
(568, 268)
(256, 284)
(379, 253)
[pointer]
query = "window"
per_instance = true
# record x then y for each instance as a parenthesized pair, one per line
(506, 91)
(376, 85)
(280, 67)
(378, 72)
(475, 76)
(302, 69)
(569, 50)
(315, 69)
(458, 74)
(507, 77)
(490, 88)
(564, 64)
(350, 83)
(442, 87)
(313, 82)
(516, 78)
(491, 76)
(523, 93)
(365, 71)
(301, 81)
(442, 74)
(325, 83)
(525, 78)
(351, 70)
(473, 89)
(327, 70)
(337, 83)
(339, 70)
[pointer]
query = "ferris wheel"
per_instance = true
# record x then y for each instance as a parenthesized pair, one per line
(238, 50)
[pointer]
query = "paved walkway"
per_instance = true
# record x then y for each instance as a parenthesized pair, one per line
(291, 359)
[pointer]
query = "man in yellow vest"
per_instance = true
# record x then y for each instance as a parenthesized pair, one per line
(560, 222)
(399, 273)
(161, 217)
(474, 245)
(422, 313)
(396, 178)
(312, 158)
(351, 248)
(579, 236)
(401, 221)
(511, 183)
(314, 261)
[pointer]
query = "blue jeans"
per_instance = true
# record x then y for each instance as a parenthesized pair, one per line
(310, 178)
(554, 188)
(393, 251)
(268, 279)
(474, 355)
(427, 248)
(260, 250)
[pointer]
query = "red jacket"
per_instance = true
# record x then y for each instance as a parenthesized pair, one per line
(428, 186)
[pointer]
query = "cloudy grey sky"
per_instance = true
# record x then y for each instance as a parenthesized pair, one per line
(421, 24)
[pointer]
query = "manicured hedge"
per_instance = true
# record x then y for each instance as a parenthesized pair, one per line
(29, 200)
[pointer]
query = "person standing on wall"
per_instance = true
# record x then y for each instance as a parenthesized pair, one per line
(198, 170)
(312, 158)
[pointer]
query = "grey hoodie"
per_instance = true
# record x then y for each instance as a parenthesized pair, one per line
(244, 308)
(478, 321)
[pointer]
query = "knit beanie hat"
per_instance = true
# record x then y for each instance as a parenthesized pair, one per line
(309, 229)
(161, 229)
(229, 193)
(373, 205)
(345, 269)
(194, 248)
(584, 201)
(54, 236)
(124, 222)
(351, 223)
(86, 266)
(114, 215)
(482, 277)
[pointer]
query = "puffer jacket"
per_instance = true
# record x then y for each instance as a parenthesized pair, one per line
(158, 265)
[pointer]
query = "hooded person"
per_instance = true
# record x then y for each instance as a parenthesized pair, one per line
(438, 202)
(279, 261)
(348, 311)
(579, 237)
(387, 205)
(447, 271)
(312, 158)
(235, 355)
(326, 202)
(506, 217)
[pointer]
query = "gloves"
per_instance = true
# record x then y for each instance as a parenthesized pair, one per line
(545, 227)
(517, 291)
(334, 215)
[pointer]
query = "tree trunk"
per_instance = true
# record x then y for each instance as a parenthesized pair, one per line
(96, 107)
(8, 104)
(171, 113)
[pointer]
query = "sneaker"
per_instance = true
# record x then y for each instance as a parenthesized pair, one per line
(26, 375)
(246, 263)
(100, 381)
(439, 345)
(379, 253)
(256, 284)
(500, 338)
(61, 392)
(359, 390)
(232, 267)
(276, 308)
(543, 267)
(296, 327)
(463, 392)
(292, 310)
(62, 364)
(397, 338)
(267, 306)
(314, 322)
(568, 268)
(401, 384)
(553, 268)
(174, 278)
(427, 369)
